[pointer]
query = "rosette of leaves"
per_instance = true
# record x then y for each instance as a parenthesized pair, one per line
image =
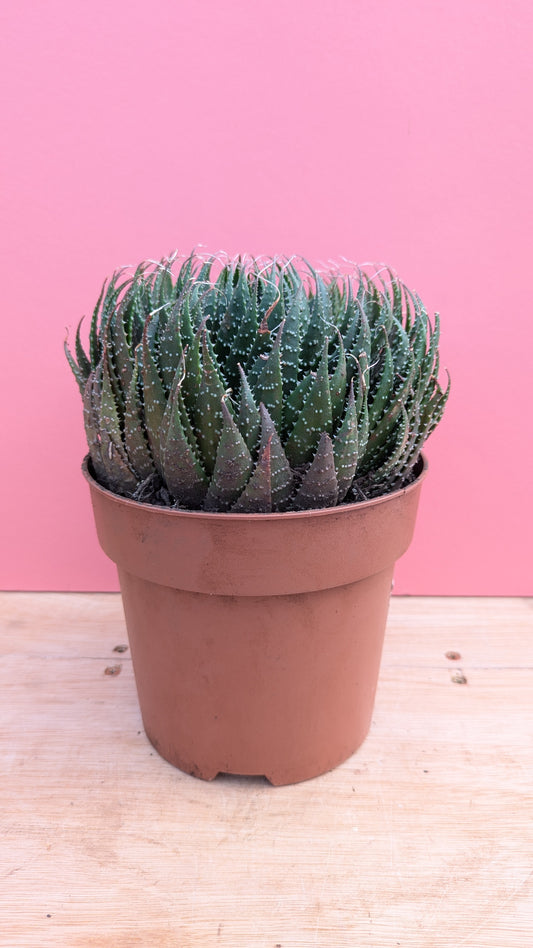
(254, 386)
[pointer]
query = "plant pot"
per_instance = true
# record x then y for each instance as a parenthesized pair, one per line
(256, 638)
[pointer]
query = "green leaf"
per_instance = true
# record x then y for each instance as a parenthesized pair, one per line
(418, 338)
(207, 410)
(134, 310)
(257, 495)
(361, 379)
(281, 474)
(83, 361)
(220, 323)
(249, 419)
(185, 273)
(382, 392)
(401, 435)
(319, 487)
(401, 353)
(346, 447)
(319, 326)
(155, 400)
(269, 297)
(91, 420)
(290, 342)
(117, 345)
(338, 384)
(244, 325)
(76, 370)
(259, 355)
(269, 386)
(402, 389)
(414, 443)
(233, 466)
(119, 475)
(193, 369)
(350, 313)
(363, 339)
(295, 401)
(182, 309)
(111, 298)
(315, 418)
(182, 471)
(363, 426)
(170, 348)
(428, 361)
(95, 348)
(134, 433)
(163, 288)
(111, 419)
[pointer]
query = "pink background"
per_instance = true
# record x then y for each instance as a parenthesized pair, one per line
(376, 130)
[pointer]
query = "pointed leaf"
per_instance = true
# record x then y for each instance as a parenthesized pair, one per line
(361, 379)
(269, 386)
(207, 410)
(380, 395)
(155, 400)
(81, 356)
(233, 466)
(220, 310)
(170, 348)
(118, 476)
(401, 435)
(290, 342)
(118, 344)
(428, 361)
(91, 416)
(249, 419)
(257, 495)
(363, 425)
(134, 433)
(94, 340)
(281, 474)
(76, 370)
(244, 325)
(315, 418)
(295, 401)
(269, 297)
(193, 369)
(319, 486)
(337, 385)
(350, 315)
(319, 326)
(345, 448)
(110, 414)
(182, 471)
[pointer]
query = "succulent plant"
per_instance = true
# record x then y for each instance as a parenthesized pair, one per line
(253, 386)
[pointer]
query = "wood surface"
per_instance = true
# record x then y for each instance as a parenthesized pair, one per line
(423, 838)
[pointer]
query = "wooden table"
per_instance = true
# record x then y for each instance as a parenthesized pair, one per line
(423, 838)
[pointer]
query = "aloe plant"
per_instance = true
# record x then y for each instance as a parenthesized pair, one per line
(255, 386)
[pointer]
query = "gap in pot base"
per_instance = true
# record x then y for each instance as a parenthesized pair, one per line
(274, 779)
(275, 686)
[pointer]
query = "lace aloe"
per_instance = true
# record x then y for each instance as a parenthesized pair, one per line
(255, 386)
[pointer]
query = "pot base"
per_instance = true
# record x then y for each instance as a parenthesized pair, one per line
(277, 686)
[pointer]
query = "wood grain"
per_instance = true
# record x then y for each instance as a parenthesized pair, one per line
(423, 838)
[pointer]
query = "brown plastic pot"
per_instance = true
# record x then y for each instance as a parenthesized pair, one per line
(256, 638)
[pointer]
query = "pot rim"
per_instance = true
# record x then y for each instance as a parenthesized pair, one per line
(250, 517)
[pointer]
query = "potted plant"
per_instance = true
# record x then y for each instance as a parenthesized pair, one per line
(255, 431)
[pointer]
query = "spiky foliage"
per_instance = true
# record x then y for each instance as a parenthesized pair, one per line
(255, 386)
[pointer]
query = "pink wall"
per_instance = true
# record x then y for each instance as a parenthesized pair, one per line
(376, 130)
